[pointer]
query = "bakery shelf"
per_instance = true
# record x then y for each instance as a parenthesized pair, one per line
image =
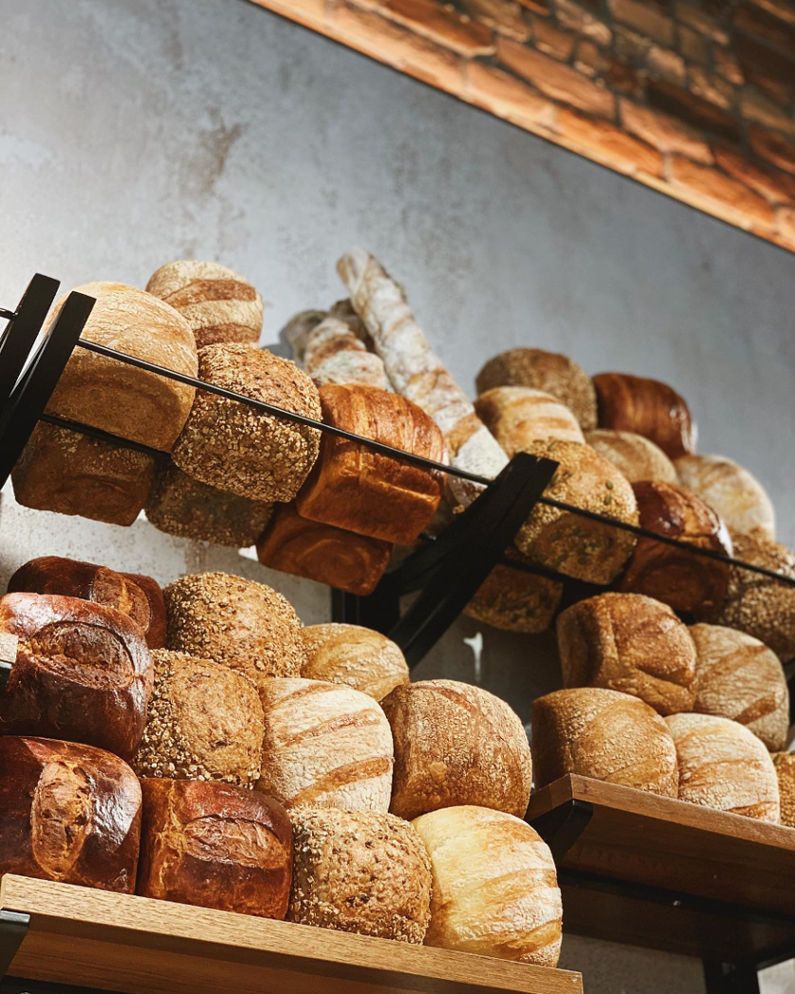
(117, 942)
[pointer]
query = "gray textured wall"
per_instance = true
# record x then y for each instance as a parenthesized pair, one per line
(135, 131)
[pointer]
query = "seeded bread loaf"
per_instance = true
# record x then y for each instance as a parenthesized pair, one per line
(519, 416)
(637, 457)
(784, 763)
(647, 407)
(355, 656)
(514, 600)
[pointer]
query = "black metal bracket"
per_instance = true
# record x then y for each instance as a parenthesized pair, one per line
(561, 827)
(731, 978)
(13, 928)
(19, 335)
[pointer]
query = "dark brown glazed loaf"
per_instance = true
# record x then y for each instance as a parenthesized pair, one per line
(68, 812)
(83, 672)
(647, 407)
(215, 846)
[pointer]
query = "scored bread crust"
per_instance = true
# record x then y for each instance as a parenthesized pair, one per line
(359, 657)
(737, 496)
(636, 456)
(519, 416)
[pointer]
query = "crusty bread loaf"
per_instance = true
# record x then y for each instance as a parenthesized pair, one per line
(325, 745)
(723, 765)
(204, 723)
(69, 813)
(218, 304)
(514, 600)
(215, 846)
(690, 584)
(356, 656)
(156, 632)
(519, 416)
(319, 552)
(603, 734)
(784, 763)
(331, 351)
(647, 407)
(629, 643)
(737, 496)
(738, 677)
(360, 871)
(456, 744)
(570, 543)
(495, 890)
(233, 447)
(64, 471)
(182, 506)
(248, 626)
(114, 396)
(83, 672)
(636, 456)
(548, 371)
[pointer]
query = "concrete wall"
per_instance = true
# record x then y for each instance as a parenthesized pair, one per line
(137, 131)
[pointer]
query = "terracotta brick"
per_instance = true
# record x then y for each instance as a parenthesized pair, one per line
(693, 46)
(624, 78)
(772, 71)
(752, 20)
(712, 88)
(645, 18)
(727, 65)
(666, 63)
(754, 107)
(505, 16)
(576, 18)
(445, 27)
(607, 144)
(698, 19)
(555, 80)
(692, 110)
(550, 39)
(507, 97)
(773, 148)
(712, 186)
(663, 132)
(588, 58)
(777, 186)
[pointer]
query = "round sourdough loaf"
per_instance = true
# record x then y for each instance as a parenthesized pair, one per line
(637, 457)
(356, 656)
(737, 496)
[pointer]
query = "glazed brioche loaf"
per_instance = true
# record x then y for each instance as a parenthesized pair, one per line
(325, 745)
(358, 657)
(723, 765)
(456, 744)
(215, 846)
(217, 303)
(519, 416)
(637, 457)
(737, 496)
(514, 600)
(603, 734)
(69, 813)
(114, 396)
(495, 890)
(204, 723)
(784, 762)
(248, 626)
(647, 407)
(632, 644)
(548, 371)
(360, 871)
(738, 677)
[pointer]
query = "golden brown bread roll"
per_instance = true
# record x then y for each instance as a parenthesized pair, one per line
(784, 762)
(637, 457)
(548, 371)
(724, 766)
(356, 656)
(325, 745)
(233, 447)
(456, 744)
(514, 600)
(737, 496)
(605, 735)
(570, 543)
(64, 471)
(495, 890)
(204, 723)
(248, 626)
(519, 416)
(629, 643)
(218, 304)
(738, 677)
(360, 871)
(114, 396)
(647, 407)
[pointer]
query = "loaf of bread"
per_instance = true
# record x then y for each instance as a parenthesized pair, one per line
(738, 677)
(519, 416)
(360, 871)
(737, 496)
(360, 490)
(218, 304)
(356, 656)
(637, 457)
(231, 446)
(329, 555)
(64, 471)
(647, 407)
(137, 596)
(629, 643)
(331, 351)
(204, 723)
(215, 846)
(689, 583)
(83, 672)
(784, 762)
(456, 744)
(723, 765)
(69, 813)
(114, 396)
(567, 542)
(514, 600)
(603, 734)
(325, 746)
(182, 506)
(243, 624)
(495, 890)
(548, 371)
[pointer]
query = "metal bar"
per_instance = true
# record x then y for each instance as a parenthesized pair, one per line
(102, 436)
(21, 333)
(13, 928)
(6, 315)
(730, 978)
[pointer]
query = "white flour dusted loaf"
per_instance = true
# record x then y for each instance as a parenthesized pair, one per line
(355, 656)
(636, 456)
(330, 351)
(520, 416)
(737, 496)
(326, 745)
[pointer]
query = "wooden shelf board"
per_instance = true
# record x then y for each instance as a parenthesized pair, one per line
(118, 942)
